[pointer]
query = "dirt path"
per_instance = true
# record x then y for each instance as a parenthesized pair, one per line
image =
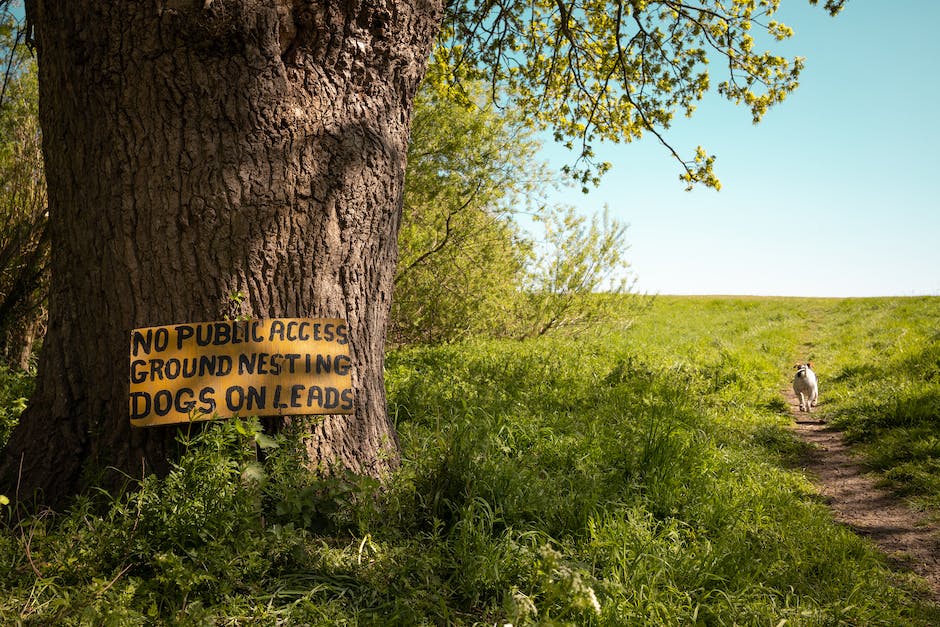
(909, 541)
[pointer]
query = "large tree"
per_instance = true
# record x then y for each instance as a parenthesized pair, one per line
(196, 150)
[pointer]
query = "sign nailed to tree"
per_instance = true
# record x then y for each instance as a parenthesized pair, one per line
(271, 367)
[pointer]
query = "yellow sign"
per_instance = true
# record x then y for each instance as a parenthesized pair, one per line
(186, 372)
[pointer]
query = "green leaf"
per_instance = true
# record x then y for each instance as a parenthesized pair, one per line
(265, 441)
(254, 472)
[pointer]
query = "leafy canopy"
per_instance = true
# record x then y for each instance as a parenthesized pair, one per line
(615, 70)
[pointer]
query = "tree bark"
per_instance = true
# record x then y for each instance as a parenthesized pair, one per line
(196, 149)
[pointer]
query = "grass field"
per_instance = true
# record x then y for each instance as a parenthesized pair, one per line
(883, 375)
(636, 475)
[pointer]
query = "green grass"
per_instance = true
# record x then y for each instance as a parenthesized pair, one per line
(881, 385)
(629, 477)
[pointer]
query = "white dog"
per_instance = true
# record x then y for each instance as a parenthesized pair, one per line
(805, 386)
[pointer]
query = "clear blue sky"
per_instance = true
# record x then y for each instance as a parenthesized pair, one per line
(834, 193)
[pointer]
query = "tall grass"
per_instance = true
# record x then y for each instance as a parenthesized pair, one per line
(882, 359)
(627, 478)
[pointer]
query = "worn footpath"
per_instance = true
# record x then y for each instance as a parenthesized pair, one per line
(907, 537)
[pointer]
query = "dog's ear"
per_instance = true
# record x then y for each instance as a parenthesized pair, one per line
(809, 365)
(796, 367)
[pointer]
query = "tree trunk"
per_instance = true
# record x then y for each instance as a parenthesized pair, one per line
(194, 150)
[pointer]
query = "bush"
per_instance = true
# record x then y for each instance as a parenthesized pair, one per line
(466, 267)
(24, 236)
(15, 389)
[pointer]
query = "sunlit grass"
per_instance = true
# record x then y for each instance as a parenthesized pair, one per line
(882, 387)
(628, 477)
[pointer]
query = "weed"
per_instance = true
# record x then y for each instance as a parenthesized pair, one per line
(15, 388)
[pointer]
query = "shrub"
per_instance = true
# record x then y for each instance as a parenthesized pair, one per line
(15, 389)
